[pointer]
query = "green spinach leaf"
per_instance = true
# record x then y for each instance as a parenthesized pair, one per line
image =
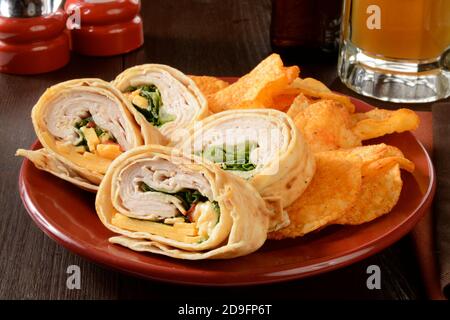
(99, 131)
(153, 113)
(232, 157)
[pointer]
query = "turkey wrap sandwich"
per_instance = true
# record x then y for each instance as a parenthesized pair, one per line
(161, 201)
(83, 125)
(163, 98)
(262, 146)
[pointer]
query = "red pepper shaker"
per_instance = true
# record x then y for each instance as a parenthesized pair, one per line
(105, 28)
(32, 38)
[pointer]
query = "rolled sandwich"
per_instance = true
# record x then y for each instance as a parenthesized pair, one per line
(82, 125)
(262, 146)
(161, 201)
(163, 98)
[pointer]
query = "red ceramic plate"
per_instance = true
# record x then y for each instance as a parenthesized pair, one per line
(67, 215)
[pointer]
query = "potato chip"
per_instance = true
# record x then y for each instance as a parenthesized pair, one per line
(380, 157)
(378, 172)
(376, 167)
(282, 102)
(300, 103)
(378, 122)
(310, 84)
(375, 152)
(326, 125)
(287, 97)
(315, 89)
(265, 81)
(381, 182)
(209, 85)
(379, 194)
(331, 193)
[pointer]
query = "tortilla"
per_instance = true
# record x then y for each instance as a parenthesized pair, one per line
(140, 199)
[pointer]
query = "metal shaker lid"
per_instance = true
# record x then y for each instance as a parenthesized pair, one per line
(28, 8)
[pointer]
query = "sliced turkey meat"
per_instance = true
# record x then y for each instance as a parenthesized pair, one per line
(163, 98)
(162, 180)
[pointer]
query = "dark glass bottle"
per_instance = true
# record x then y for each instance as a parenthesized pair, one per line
(310, 27)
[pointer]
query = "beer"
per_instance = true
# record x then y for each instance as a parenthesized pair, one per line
(409, 29)
(396, 50)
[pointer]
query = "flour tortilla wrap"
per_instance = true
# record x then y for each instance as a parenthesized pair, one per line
(262, 146)
(161, 201)
(83, 125)
(163, 98)
(44, 160)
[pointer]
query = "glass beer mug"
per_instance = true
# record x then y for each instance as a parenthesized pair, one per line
(396, 50)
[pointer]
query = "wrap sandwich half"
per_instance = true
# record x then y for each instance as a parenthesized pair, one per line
(262, 146)
(83, 125)
(163, 98)
(164, 202)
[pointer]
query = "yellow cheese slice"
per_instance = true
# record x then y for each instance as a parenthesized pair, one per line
(80, 149)
(189, 229)
(91, 138)
(109, 151)
(95, 162)
(86, 160)
(178, 232)
(141, 102)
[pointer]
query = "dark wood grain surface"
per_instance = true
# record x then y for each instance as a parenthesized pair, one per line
(214, 37)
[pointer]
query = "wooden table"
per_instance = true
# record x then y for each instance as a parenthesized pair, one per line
(215, 37)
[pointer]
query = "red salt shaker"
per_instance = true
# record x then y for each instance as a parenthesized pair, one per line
(105, 27)
(32, 41)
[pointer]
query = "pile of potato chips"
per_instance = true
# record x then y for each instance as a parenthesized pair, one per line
(353, 184)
